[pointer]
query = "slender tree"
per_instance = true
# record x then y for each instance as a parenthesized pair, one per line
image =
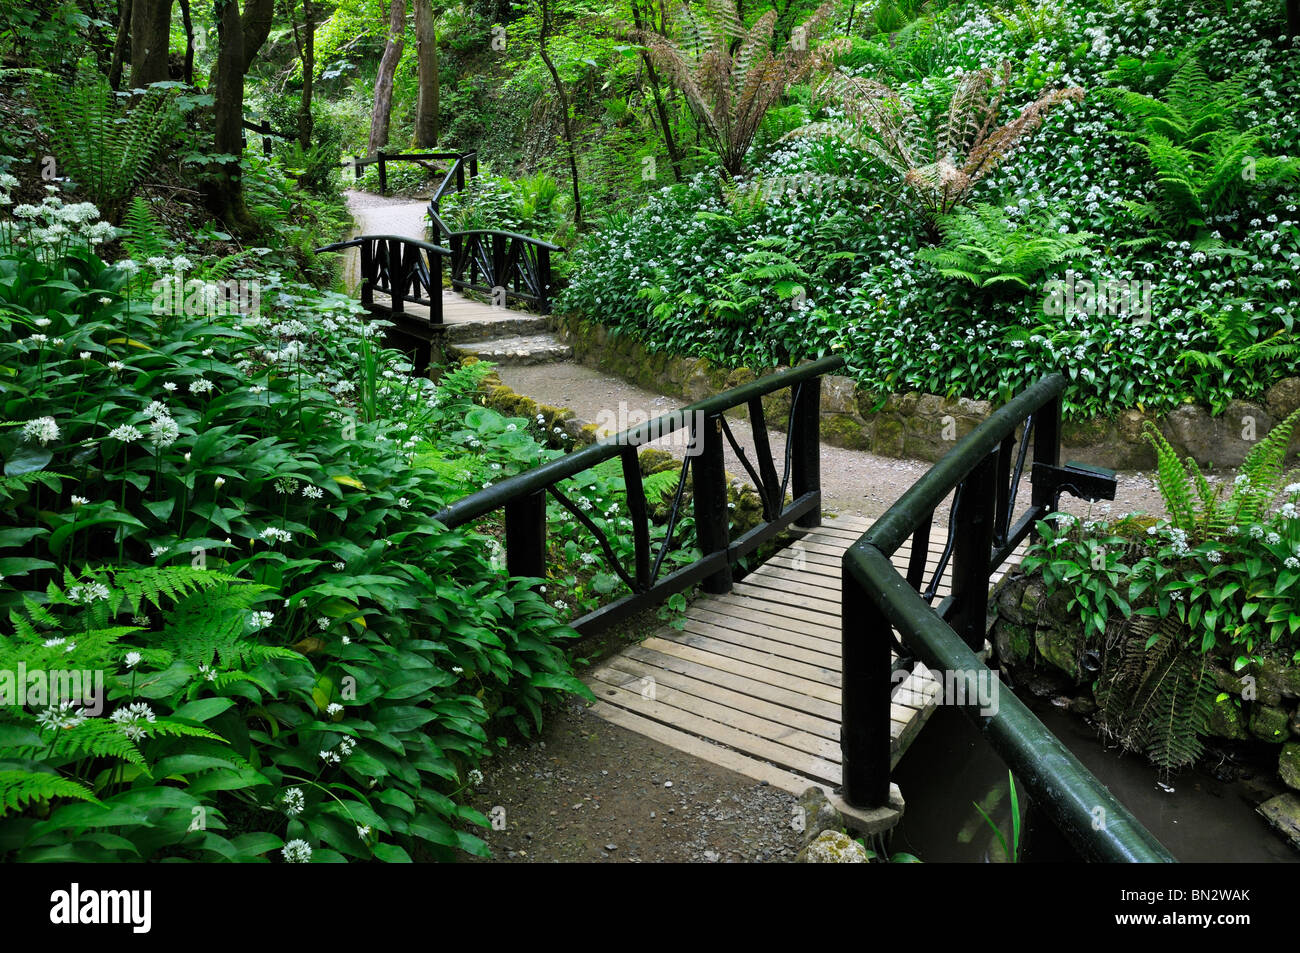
(652, 77)
(543, 36)
(426, 104)
(120, 45)
(188, 75)
(304, 41)
(379, 117)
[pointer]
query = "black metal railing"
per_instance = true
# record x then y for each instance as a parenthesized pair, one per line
(408, 271)
(506, 266)
(264, 130)
(983, 472)
(523, 497)
(425, 160)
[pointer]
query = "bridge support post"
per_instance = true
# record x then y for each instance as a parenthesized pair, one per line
(867, 671)
(1047, 449)
(383, 173)
(526, 535)
(712, 521)
(972, 552)
(805, 451)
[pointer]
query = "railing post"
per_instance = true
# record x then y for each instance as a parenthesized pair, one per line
(544, 280)
(805, 450)
(499, 248)
(356, 168)
(435, 288)
(367, 273)
(473, 165)
(972, 551)
(383, 173)
(460, 176)
(712, 521)
(526, 535)
(865, 686)
(1047, 449)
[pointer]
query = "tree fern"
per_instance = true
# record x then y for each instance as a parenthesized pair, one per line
(20, 788)
(936, 170)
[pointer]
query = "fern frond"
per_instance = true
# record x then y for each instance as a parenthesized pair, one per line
(21, 788)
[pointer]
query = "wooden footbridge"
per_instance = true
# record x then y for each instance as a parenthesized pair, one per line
(820, 665)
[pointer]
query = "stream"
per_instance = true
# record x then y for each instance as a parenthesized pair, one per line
(951, 766)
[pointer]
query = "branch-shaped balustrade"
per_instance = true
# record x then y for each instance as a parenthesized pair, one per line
(878, 602)
(523, 497)
(407, 271)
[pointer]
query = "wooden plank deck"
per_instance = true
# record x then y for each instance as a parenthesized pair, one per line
(752, 682)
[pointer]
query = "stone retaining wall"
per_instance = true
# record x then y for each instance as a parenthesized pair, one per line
(924, 426)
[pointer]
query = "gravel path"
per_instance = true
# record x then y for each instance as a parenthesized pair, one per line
(591, 791)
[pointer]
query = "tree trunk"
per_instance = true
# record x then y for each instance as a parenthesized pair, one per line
(542, 36)
(306, 44)
(151, 24)
(238, 40)
(120, 46)
(189, 43)
(670, 143)
(426, 105)
(384, 79)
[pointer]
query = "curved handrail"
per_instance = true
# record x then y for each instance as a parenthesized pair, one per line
(485, 501)
(504, 234)
(362, 239)
(877, 597)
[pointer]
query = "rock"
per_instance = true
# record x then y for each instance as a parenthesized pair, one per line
(1288, 765)
(1277, 676)
(1295, 723)
(1217, 441)
(1283, 812)
(888, 437)
(818, 815)
(832, 847)
(1226, 719)
(1060, 649)
(844, 430)
(1269, 724)
(611, 847)
(1013, 642)
(1283, 398)
(838, 395)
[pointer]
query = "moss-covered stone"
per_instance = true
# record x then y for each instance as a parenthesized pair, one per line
(1060, 649)
(1013, 643)
(1085, 433)
(1279, 676)
(1269, 724)
(842, 430)
(1288, 764)
(1226, 719)
(888, 437)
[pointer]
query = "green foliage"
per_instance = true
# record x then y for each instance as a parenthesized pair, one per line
(985, 248)
(218, 514)
(1156, 693)
(106, 148)
(1202, 155)
(144, 236)
(1196, 507)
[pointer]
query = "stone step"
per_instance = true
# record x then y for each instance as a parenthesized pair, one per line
(516, 350)
(517, 325)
